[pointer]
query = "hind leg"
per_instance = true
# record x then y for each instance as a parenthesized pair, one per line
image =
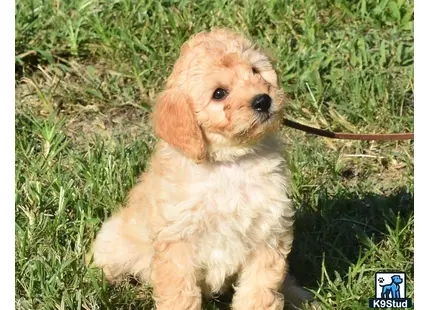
(120, 249)
(385, 293)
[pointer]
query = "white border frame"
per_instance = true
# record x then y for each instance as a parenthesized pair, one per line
(421, 109)
(7, 122)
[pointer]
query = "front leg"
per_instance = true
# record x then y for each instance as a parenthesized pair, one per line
(260, 280)
(174, 278)
(397, 292)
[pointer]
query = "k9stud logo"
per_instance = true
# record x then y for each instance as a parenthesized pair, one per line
(390, 291)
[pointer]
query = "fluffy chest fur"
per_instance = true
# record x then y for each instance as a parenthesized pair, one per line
(228, 209)
(245, 204)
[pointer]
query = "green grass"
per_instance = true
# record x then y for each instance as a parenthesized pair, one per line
(87, 73)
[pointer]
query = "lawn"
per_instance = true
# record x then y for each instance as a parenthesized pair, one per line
(87, 73)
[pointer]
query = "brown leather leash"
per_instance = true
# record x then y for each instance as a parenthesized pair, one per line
(348, 136)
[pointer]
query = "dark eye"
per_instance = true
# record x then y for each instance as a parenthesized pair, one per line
(254, 70)
(219, 94)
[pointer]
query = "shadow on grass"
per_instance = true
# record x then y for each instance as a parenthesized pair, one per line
(334, 231)
(337, 228)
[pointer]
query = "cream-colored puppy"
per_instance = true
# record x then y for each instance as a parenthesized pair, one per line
(212, 207)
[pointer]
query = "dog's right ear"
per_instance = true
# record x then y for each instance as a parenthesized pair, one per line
(175, 122)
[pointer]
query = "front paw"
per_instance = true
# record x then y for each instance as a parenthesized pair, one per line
(263, 299)
(180, 303)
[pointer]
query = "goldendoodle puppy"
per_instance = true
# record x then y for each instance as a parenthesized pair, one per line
(211, 209)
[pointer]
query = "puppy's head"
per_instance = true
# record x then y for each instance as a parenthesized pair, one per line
(222, 95)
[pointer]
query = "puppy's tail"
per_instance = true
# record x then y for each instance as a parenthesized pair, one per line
(296, 296)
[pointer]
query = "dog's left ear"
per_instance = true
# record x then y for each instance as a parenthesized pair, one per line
(175, 122)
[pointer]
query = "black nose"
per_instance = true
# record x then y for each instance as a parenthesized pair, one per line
(261, 103)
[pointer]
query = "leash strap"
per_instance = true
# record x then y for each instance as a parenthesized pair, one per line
(348, 136)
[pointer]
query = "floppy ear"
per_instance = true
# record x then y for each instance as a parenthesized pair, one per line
(175, 123)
